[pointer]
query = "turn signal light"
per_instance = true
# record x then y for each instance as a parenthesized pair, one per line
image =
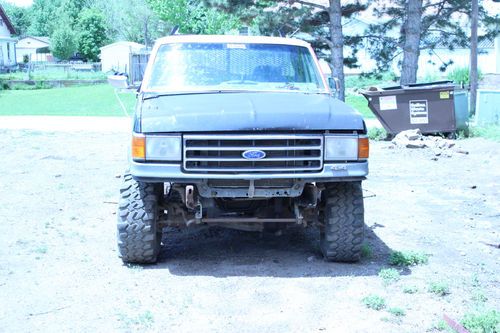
(138, 147)
(363, 148)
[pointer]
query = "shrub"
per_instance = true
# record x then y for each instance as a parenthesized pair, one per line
(410, 289)
(408, 258)
(461, 75)
(374, 302)
(377, 134)
(439, 288)
(398, 312)
(389, 275)
(482, 322)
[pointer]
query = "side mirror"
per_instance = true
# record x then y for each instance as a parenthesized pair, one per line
(118, 81)
(334, 85)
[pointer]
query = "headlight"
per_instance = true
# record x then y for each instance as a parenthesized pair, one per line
(156, 147)
(341, 148)
(163, 148)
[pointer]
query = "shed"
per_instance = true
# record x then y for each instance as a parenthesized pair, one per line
(35, 48)
(116, 56)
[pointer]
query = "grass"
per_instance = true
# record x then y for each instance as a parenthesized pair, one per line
(359, 103)
(398, 312)
(491, 132)
(485, 321)
(374, 302)
(408, 258)
(366, 251)
(98, 100)
(439, 288)
(377, 134)
(410, 289)
(389, 276)
(54, 74)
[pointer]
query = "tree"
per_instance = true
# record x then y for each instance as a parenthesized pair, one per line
(43, 17)
(192, 16)
(92, 36)
(19, 16)
(63, 42)
(408, 27)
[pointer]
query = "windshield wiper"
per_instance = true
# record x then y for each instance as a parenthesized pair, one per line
(239, 82)
(150, 95)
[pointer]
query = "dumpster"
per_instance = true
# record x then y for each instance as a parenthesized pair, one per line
(429, 107)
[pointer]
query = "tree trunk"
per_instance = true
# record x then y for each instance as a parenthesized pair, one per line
(337, 45)
(473, 57)
(411, 48)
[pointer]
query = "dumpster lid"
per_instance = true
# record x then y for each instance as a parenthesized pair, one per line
(413, 86)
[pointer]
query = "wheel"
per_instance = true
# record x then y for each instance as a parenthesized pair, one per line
(139, 235)
(342, 232)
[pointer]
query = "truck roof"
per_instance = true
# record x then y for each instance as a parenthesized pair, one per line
(231, 39)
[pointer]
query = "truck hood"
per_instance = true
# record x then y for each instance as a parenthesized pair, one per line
(247, 111)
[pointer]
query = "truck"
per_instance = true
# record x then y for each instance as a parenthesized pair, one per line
(241, 132)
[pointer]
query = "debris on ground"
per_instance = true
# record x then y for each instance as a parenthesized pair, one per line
(439, 146)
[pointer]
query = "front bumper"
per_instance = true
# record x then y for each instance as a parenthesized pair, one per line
(163, 172)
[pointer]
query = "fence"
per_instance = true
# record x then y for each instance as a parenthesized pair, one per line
(138, 62)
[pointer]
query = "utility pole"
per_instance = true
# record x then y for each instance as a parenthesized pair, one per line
(473, 57)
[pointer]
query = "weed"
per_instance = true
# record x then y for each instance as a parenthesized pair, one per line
(410, 289)
(42, 249)
(441, 325)
(408, 258)
(479, 297)
(377, 134)
(374, 302)
(142, 320)
(366, 251)
(398, 312)
(389, 275)
(439, 288)
(487, 321)
(461, 75)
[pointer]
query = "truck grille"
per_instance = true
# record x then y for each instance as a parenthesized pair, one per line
(224, 153)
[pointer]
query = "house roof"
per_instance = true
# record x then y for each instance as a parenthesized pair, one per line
(124, 43)
(45, 40)
(5, 18)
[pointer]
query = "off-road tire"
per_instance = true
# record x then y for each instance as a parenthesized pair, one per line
(342, 232)
(139, 236)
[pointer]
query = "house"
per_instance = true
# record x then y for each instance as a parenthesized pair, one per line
(7, 43)
(117, 56)
(34, 49)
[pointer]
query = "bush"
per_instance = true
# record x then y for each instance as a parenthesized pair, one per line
(408, 258)
(389, 275)
(410, 289)
(460, 75)
(482, 322)
(377, 134)
(439, 288)
(398, 312)
(374, 302)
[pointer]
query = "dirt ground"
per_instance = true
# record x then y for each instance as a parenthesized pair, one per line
(59, 269)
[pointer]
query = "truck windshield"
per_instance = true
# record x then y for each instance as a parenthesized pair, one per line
(197, 67)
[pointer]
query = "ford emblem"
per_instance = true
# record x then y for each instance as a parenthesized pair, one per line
(253, 154)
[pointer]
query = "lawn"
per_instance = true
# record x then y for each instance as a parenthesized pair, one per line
(359, 103)
(98, 100)
(54, 74)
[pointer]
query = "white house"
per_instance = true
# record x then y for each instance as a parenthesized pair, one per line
(7, 43)
(116, 56)
(35, 48)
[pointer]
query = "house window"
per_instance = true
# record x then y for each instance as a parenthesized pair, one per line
(8, 51)
(1, 22)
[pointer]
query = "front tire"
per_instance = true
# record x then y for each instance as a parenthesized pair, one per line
(342, 232)
(139, 235)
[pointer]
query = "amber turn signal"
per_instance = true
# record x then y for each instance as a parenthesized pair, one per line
(138, 146)
(363, 148)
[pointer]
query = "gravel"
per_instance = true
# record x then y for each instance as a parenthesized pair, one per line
(59, 269)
